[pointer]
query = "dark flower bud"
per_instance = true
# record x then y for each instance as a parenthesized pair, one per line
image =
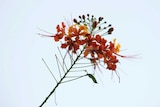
(80, 17)
(75, 20)
(110, 30)
(109, 25)
(100, 19)
(88, 15)
(83, 16)
(94, 24)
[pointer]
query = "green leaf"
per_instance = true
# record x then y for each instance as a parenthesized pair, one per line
(92, 77)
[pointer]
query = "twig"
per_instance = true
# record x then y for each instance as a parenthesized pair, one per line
(49, 70)
(60, 81)
(74, 78)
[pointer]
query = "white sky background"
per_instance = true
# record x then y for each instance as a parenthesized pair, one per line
(25, 81)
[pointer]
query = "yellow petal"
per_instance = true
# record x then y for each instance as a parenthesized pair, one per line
(117, 46)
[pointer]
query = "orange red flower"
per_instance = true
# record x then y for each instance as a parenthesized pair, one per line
(60, 32)
(82, 34)
(85, 39)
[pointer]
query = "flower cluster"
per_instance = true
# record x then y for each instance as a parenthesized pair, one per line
(87, 32)
(84, 39)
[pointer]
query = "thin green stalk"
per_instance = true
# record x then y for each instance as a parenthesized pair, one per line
(49, 70)
(74, 79)
(60, 81)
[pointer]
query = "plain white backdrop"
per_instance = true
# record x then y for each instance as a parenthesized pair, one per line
(25, 81)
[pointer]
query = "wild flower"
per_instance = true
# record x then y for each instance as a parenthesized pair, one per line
(86, 40)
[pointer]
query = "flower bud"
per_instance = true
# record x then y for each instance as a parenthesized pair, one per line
(110, 30)
(94, 24)
(75, 20)
(109, 25)
(83, 16)
(100, 19)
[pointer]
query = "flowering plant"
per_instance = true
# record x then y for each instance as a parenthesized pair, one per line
(84, 39)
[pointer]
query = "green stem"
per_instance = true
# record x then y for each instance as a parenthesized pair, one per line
(74, 79)
(60, 81)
